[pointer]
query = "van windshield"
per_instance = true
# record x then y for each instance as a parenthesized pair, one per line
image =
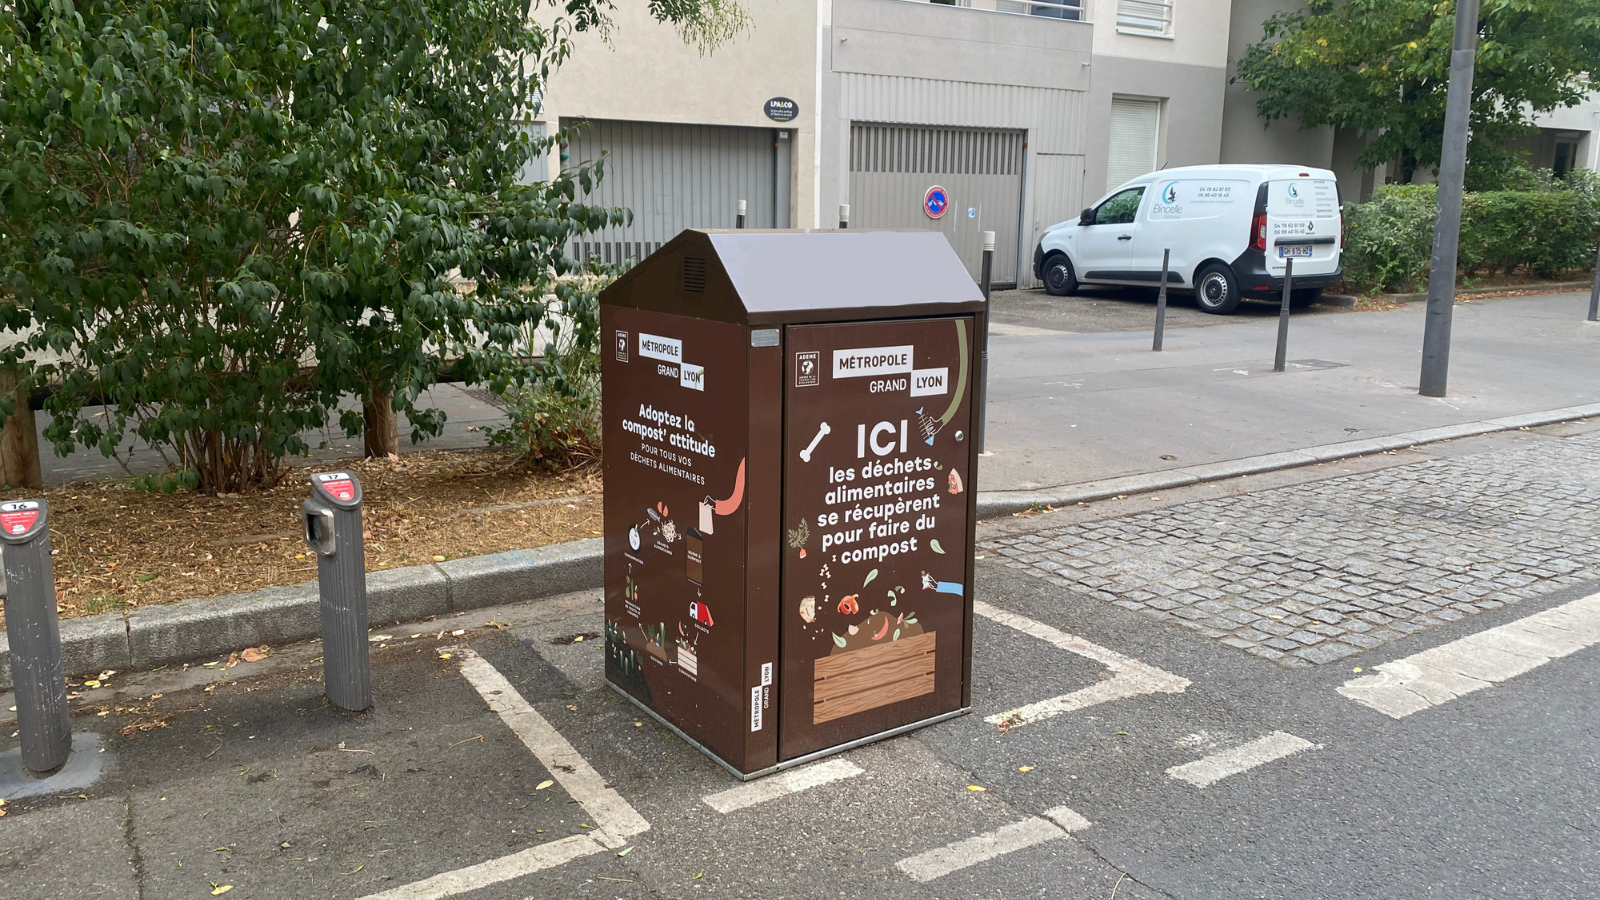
(1303, 198)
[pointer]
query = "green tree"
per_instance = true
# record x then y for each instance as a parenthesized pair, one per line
(1382, 67)
(221, 217)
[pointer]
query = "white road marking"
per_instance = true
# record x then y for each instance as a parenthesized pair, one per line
(1477, 661)
(1054, 825)
(614, 819)
(781, 785)
(1130, 677)
(1209, 770)
(1003, 328)
(526, 862)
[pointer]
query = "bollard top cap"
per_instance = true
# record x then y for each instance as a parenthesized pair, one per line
(341, 489)
(22, 520)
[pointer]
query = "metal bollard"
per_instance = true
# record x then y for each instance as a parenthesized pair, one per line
(844, 216)
(29, 587)
(740, 219)
(1279, 361)
(333, 529)
(1161, 302)
(1594, 292)
(983, 387)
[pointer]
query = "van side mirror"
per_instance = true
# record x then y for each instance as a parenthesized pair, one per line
(1086, 217)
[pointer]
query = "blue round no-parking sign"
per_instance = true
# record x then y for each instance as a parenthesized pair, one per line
(935, 202)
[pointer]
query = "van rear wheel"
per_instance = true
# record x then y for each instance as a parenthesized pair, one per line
(1059, 279)
(1216, 291)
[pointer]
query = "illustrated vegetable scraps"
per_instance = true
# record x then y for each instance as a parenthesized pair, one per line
(934, 544)
(848, 606)
(870, 575)
(882, 631)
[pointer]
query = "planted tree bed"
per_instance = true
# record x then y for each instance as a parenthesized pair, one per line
(117, 548)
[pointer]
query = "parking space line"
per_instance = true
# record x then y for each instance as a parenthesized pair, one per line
(1206, 771)
(1130, 677)
(615, 819)
(525, 862)
(781, 785)
(1054, 825)
(1477, 661)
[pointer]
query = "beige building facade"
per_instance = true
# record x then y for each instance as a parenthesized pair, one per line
(1022, 112)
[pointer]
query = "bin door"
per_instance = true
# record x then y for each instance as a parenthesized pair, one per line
(877, 453)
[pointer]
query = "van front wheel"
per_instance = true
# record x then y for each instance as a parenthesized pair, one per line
(1058, 277)
(1215, 290)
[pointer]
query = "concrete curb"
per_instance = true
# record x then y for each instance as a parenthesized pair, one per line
(211, 626)
(1554, 287)
(992, 504)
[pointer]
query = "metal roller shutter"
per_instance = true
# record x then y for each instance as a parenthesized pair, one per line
(892, 167)
(1135, 126)
(679, 176)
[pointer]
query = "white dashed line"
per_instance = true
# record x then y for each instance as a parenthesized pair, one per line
(1204, 772)
(526, 862)
(1477, 661)
(1130, 677)
(614, 819)
(1054, 825)
(781, 785)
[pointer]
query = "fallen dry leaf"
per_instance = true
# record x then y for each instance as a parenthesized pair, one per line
(501, 625)
(253, 654)
(973, 787)
(544, 784)
(458, 632)
(1024, 768)
(217, 889)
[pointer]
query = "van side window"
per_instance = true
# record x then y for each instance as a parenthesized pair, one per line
(1119, 208)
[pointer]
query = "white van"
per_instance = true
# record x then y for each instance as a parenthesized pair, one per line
(1229, 230)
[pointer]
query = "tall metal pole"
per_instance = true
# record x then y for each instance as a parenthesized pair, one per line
(1447, 224)
(1280, 360)
(1161, 302)
(1594, 292)
(983, 383)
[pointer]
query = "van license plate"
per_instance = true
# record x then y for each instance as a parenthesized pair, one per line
(1294, 251)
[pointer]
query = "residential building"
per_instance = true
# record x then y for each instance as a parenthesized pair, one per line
(1022, 111)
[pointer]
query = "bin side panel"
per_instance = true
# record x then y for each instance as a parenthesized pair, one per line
(877, 549)
(764, 494)
(675, 427)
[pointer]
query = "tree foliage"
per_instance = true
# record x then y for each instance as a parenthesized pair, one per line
(1382, 68)
(221, 217)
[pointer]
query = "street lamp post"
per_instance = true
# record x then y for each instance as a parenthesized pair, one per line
(1447, 224)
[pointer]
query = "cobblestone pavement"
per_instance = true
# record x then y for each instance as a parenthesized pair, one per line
(1317, 572)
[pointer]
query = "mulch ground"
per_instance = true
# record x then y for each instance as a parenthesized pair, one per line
(116, 548)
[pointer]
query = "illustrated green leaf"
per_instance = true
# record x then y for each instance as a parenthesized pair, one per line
(934, 546)
(838, 641)
(870, 575)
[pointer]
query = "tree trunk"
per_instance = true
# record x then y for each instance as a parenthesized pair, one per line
(19, 441)
(381, 433)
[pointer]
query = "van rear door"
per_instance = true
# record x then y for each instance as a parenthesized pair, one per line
(1303, 224)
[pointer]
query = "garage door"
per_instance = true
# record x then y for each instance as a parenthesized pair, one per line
(1135, 126)
(680, 176)
(893, 166)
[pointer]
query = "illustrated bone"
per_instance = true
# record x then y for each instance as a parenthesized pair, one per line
(806, 453)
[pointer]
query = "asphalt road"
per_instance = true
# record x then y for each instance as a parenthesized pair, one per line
(255, 783)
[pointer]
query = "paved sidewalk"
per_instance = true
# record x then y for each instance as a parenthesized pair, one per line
(1070, 408)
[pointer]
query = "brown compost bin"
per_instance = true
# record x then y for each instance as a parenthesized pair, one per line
(789, 502)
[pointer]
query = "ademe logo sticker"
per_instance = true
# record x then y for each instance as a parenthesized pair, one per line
(622, 346)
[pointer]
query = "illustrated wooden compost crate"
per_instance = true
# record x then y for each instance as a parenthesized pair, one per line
(788, 506)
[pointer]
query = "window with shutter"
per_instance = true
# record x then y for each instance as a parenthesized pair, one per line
(1135, 125)
(1145, 16)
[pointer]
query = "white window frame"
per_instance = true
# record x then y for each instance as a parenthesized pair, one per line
(1145, 18)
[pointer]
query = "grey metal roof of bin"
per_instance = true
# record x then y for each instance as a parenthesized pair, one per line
(773, 277)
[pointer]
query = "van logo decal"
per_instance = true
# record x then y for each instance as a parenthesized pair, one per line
(1294, 192)
(1170, 193)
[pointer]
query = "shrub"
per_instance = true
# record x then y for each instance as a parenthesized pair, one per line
(1550, 227)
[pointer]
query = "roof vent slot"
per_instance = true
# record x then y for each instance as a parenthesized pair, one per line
(694, 274)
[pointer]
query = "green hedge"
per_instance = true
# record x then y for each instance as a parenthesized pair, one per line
(1553, 227)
